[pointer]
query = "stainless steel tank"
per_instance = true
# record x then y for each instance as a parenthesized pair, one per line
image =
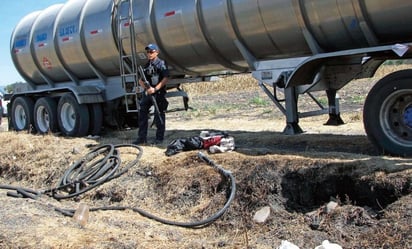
(66, 42)
(78, 40)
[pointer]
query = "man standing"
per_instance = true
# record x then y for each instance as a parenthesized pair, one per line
(157, 74)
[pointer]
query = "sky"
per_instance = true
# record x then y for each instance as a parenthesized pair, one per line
(11, 12)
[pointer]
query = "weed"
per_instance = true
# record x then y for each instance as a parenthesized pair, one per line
(358, 99)
(258, 101)
(323, 101)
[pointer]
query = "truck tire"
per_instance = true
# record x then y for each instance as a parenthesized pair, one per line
(96, 119)
(73, 118)
(45, 115)
(387, 114)
(22, 114)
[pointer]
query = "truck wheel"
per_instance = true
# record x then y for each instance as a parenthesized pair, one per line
(96, 119)
(387, 114)
(73, 118)
(45, 115)
(22, 113)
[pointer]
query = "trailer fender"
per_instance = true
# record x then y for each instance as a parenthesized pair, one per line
(87, 94)
(342, 66)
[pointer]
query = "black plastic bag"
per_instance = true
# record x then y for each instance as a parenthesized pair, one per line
(184, 144)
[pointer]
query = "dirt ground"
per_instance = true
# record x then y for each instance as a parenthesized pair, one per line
(299, 178)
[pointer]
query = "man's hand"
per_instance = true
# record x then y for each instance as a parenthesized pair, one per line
(151, 90)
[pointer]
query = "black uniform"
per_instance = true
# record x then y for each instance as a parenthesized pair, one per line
(154, 71)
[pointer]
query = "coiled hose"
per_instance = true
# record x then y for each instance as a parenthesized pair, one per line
(103, 164)
(100, 165)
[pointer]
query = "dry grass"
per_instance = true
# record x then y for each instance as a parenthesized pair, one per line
(225, 84)
(294, 175)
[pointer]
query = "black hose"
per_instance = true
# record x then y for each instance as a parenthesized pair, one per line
(21, 192)
(194, 224)
(93, 170)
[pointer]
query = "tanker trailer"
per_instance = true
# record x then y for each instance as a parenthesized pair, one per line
(80, 58)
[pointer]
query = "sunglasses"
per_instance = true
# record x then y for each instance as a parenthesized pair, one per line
(151, 51)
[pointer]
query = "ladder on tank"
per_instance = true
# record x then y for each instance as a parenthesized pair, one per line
(128, 62)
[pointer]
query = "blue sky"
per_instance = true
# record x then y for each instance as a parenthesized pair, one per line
(11, 12)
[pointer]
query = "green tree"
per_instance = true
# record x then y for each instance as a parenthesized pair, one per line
(10, 88)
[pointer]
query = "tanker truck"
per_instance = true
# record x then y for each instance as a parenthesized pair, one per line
(80, 58)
